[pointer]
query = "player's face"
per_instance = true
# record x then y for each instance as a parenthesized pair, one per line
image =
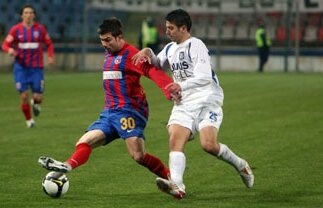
(176, 34)
(28, 15)
(110, 43)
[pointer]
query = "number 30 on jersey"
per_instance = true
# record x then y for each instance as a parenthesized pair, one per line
(127, 123)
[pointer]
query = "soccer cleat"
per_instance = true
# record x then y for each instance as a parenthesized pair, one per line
(170, 188)
(54, 165)
(36, 107)
(30, 123)
(56, 175)
(247, 176)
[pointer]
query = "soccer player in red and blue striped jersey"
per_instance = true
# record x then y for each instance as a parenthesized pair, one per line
(25, 42)
(125, 113)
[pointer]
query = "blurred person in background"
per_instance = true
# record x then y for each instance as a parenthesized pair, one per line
(2, 30)
(149, 35)
(263, 44)
(200, 106)
(25, 42)
(125, 113)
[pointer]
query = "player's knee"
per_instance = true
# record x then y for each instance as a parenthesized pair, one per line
(207, 148)
(210, 147)
(24, 98)
(138, 157)
(38, 101)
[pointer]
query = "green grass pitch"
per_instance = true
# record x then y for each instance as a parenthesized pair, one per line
(274, 120)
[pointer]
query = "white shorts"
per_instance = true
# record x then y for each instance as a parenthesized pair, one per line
(196, 117)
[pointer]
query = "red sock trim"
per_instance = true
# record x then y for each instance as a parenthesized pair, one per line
(155, 165)
(25, 108)
(80, 156)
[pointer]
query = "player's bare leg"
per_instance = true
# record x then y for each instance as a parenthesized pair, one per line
(210, 145)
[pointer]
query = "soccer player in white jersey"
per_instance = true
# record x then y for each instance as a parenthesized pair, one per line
(200, 107)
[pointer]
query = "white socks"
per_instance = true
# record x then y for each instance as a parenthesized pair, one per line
(228, 156)
(177, 164)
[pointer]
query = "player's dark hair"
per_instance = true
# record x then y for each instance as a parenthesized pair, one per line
(27, 6)
(179, 17)
(112, 25)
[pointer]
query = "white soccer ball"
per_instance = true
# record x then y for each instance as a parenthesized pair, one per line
(55, 184)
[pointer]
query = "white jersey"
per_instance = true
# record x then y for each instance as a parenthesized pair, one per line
(190, 65)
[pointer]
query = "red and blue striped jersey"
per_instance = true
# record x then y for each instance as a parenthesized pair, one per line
(121, 80)
(28, 43)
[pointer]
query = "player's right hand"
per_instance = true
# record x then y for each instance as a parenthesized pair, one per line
(12, 52)
(175, 91)
(175, 97)
(50, 60)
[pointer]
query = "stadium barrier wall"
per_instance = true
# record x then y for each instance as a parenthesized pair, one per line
(228, 62)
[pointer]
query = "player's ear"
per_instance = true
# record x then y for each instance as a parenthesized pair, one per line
(119, 37)
(183, 28)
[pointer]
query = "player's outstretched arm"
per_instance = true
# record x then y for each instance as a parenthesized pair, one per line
(7, 46)
(143, 56)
